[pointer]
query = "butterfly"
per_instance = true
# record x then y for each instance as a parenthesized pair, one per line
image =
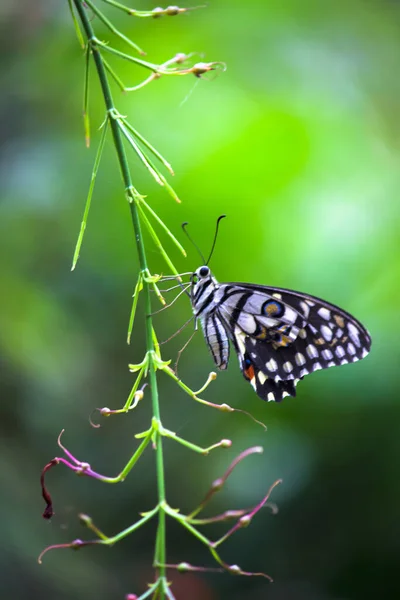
(279, 335)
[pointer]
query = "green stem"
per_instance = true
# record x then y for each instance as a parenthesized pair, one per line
(111, 27)
(126, 176)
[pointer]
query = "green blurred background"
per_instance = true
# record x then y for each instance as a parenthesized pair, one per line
(299, 144)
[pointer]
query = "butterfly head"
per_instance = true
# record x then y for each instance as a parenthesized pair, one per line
(202, 289)
(202, 277)
(201, 273)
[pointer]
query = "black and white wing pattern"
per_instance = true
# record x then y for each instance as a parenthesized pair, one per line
(280, 335)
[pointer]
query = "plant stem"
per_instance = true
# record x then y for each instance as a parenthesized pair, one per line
(126, 176)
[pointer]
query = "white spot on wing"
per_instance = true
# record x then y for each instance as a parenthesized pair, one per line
(279, 296)
(350, 349)
(364, 352)
(312, 352)
(247, 322)
(340, 352)
(324, 313)
(290, 314)
(267, 321)
(288, 367)
(327, 354)
(271, 397)
(240, 337)
(326, 332)
(354, 334)
(302, 334)
(299, 358)
(272, 365)
(262, 378)
(305, 308)
(316, 366)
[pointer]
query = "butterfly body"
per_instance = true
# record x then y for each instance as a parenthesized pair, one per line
(279, 335)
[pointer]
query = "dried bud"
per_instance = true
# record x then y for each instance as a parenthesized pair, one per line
(48, 511)
(183, 567)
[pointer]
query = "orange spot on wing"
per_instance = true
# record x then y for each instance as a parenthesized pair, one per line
(271, 309)
(263, 333)
(249, 372)
(339, 321)
(283, 342)
(336, 341)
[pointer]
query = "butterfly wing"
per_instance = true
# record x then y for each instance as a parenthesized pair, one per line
(266, 386)
(281, 335)
(258, 313)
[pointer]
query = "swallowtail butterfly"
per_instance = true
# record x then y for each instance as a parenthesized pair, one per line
(280, 336)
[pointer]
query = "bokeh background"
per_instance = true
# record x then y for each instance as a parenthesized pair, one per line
(298, 142)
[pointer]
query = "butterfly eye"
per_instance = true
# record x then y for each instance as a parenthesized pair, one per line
(204, 271)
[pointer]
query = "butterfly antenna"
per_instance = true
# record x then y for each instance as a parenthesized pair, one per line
(215, 237)
(193, 242)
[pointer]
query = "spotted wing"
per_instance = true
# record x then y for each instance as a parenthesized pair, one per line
(259, 314)
(267, 387)
(274, 362)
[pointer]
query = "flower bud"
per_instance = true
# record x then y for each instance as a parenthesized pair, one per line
(245, 521)
(85, 519)
(225, 443)
(234, 569)
(226, 408)
(171, 11)
(217, 485)
(180, 58)
(157, 12)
